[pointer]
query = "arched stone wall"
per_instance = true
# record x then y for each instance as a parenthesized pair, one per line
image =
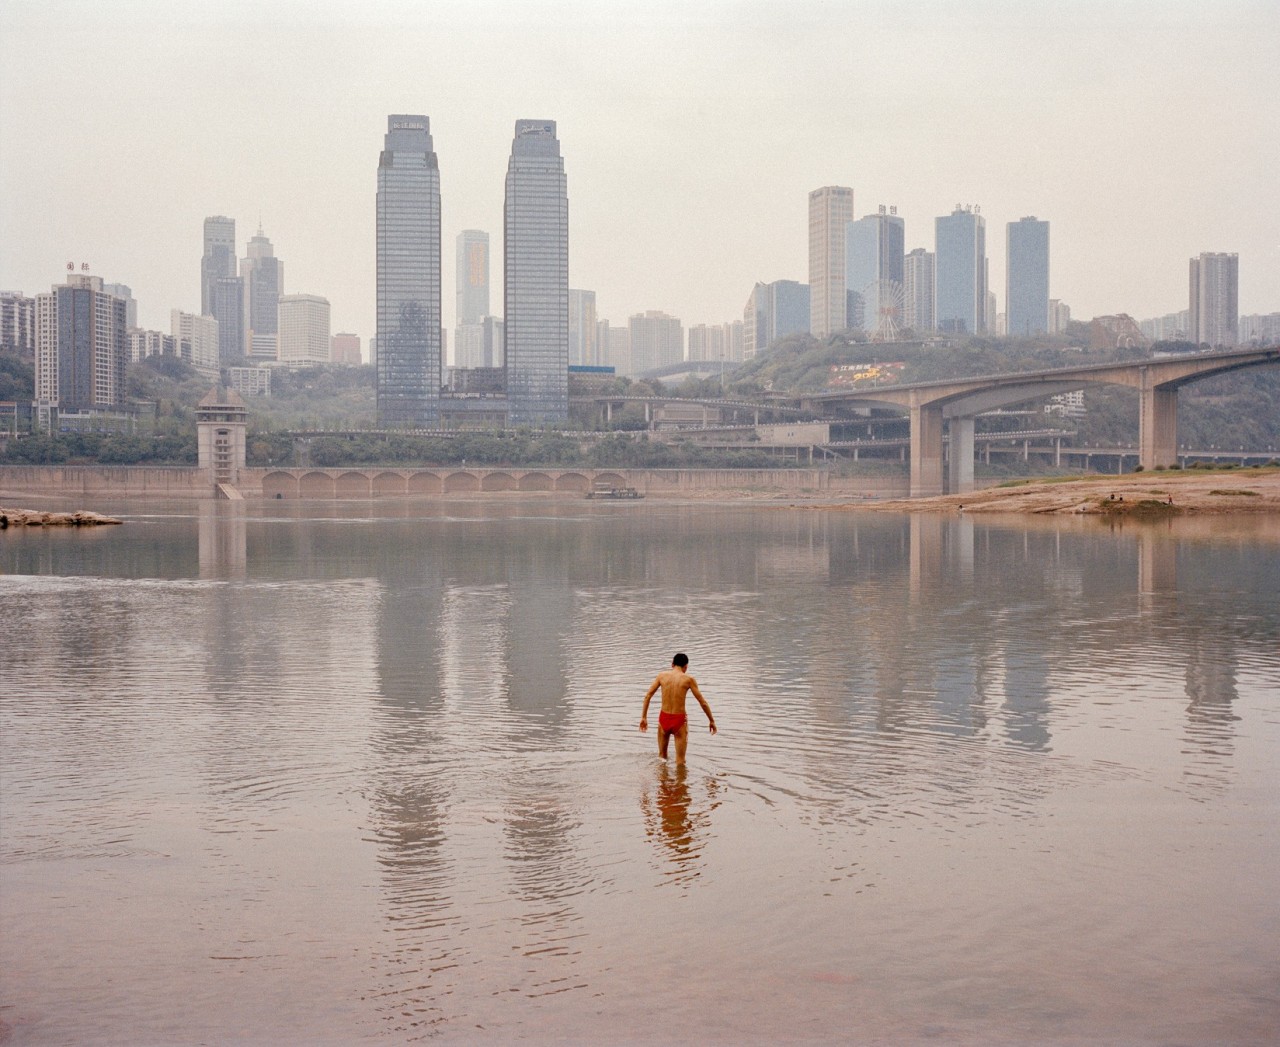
(460, 483)
(279, 485)
(423, 483)
(315, 485)
(389, 485)
(536, 482)
(498, 482)
(612, 479)
(575, 482)
(352, 485)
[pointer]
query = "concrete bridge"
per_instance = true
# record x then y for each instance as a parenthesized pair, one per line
(958, 401)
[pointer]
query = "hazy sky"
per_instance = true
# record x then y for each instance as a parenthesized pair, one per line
(1145, 131)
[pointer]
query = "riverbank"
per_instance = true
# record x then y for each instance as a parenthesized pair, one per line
(1153, 494)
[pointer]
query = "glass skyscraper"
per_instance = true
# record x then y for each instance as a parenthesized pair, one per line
(409, 333)
(1026, 299)
(872, 262)
(960, 279)
(536, 276)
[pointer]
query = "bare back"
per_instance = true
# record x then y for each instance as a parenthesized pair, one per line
(676, 685)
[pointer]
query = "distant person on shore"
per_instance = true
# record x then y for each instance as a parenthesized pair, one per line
(676, 685)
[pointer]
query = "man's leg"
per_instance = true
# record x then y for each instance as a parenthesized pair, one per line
(664, 736)
(682, 743)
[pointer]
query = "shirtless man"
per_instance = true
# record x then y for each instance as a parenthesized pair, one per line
(676, 684)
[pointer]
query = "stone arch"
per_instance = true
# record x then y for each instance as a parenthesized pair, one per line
(536, 482)
(498, 481)
(279, 484)
(352, 485)
(458, 483)
(315, 485)
(611, 478)
(575, 482)
(389, 484)
(423, 482)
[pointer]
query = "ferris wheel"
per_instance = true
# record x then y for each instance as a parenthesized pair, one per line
(883, 309)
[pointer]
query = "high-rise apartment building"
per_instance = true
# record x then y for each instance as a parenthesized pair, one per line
(409, 337)
(583, 348)
(1059, 316)
(536, 276)
(830, 210)
(656, 339)
(82, 347)
(1026, 297)
(196, 338)
(479, 345)
(960, 274)
(773, 311)
(304, 329)
(472, 271)
(917, 290)
(873, 255)
(218, 260)
(150, 343)
(263, 276)
(17, 324)
(617, 343)
(1215, 299)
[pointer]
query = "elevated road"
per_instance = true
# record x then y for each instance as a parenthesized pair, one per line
(956, 402)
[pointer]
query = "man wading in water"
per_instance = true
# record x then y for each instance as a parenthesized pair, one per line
(676, 684)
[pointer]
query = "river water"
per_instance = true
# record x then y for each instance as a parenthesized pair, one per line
(370, 772)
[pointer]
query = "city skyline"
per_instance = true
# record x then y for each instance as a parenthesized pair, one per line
(1088, 140)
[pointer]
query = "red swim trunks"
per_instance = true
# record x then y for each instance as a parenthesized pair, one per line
(671, 722)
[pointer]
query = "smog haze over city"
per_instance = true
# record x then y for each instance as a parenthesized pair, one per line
(1145, 132)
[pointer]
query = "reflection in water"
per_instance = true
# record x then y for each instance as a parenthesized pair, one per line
(678, 824)
(391, 765)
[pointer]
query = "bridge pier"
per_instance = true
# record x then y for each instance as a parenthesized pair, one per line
(926, 449)
(960, 463)
(1157, 423)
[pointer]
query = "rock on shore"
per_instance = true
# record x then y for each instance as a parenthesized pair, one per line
(42, 518)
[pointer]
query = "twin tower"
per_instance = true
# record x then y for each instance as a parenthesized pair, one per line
(535, 277)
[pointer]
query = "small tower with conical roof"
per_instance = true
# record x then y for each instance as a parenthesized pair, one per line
(221, 422)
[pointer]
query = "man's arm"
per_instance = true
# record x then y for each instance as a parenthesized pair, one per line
(693, 687)
(644, 713)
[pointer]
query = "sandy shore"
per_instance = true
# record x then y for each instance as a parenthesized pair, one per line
(1234, 491)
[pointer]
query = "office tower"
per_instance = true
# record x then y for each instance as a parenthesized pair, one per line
(130, 304)
(409, 338)
(304, 329)
(344, 348)
(473, 276)
(830, 210)
(656, 340)
(536, 276)
(17, 324)
(263, 276)
(917, 290)
(617, 342)
(196, 338)
(228, 310)
(873, 270)
(1215, 299)
(218, 260)
(960, 272)
(82, 346)
(773, 311)
(1026, 297)
(582, 328)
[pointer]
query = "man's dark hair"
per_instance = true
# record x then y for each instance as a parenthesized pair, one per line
(681, 659)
